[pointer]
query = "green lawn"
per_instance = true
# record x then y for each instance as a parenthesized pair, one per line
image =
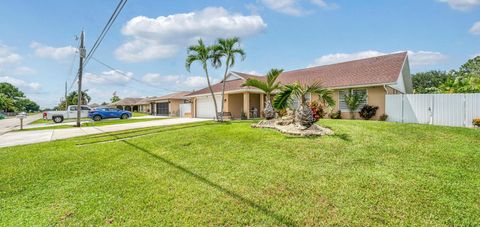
(42, 121)
(370, 173)
(96, 123)
(138, 114)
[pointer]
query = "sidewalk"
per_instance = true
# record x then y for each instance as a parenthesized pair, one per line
(29, 137)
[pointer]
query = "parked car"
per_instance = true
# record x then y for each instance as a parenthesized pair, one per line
(103, 113)
(59, 116)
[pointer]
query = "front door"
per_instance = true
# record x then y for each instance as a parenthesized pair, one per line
(162, 108)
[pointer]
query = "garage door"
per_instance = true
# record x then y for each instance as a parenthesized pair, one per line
(162, 108)
(205, 107)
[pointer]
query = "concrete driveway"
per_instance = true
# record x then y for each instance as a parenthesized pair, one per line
(9, 124)
(29, 137)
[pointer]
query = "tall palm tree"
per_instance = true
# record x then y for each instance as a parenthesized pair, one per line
(229, 49)
(297, 92)
(268, 87)
(203, 54)
(353, 100)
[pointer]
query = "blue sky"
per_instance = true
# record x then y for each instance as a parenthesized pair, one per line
(148, 40)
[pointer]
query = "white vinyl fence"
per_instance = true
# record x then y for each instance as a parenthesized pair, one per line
(436, 109)
(185, 109)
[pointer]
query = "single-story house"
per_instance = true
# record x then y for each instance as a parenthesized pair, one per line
(175, 104)
(130, 104)
(375, 77)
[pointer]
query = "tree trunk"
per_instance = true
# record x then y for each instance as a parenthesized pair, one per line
(268, 111)
(304, 116)
(223, 87)
(211, 92)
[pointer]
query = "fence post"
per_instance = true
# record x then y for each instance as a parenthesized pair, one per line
(402, 107)
(464, 110)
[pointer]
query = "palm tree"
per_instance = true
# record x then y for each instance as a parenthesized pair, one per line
(353, 100)
(297, 92)
(268, 87)
(203, 54)
(227, 48)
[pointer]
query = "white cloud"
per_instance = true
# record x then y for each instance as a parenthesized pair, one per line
(293, 7)
(475, 29)
(21, 84)
(417, 58)
(180, 82)
(462, 4)
(23, 70)
(7, 56)
(164, 36)
(108, 78)
(57, 53)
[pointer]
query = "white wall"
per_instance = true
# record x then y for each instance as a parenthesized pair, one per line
(437, 109)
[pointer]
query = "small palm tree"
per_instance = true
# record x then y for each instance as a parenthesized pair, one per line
(229, 49)
(268, 87)
(353, 100)
(297, 92)
(203, 54)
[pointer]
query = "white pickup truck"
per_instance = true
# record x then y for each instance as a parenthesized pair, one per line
(59, 116)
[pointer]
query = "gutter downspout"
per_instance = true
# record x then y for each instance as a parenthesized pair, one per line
(385, 87)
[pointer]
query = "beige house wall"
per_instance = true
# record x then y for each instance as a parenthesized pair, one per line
(174, 107)
(235, 105)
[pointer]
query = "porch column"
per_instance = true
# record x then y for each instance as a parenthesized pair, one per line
(225, 103)
(246, 104)
(262, 104)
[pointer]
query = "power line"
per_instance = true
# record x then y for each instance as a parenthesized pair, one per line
(102, 35)
(130, 77)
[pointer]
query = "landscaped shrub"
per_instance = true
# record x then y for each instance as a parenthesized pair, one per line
(336, 115)
(2, 117)
(383, 117)
(476, 122)
(317, 111)
(367, 112)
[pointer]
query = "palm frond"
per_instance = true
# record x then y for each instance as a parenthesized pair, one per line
(257, 84)
(286, 95)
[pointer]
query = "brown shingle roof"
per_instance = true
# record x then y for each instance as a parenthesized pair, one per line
(369, 71)
(127, 102)
(177, 95)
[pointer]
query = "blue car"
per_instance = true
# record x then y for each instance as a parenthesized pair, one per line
(104, 113)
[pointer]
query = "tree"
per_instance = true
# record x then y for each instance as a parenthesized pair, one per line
(11, 91)
(429, 82)
(72, 98)
(27, 105)
(297, 92)
(268, 87)
(353, 101)
(6, 103)
(228, 49)
(115, 98)
(203, 54)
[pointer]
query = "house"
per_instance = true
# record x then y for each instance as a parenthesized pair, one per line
(175, 104)
(375, 77)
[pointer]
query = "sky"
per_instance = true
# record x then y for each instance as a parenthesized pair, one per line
(148, 41)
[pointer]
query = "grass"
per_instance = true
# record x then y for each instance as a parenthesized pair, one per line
(50, 122)
(95, 123)
(369, 173)
(138, 114)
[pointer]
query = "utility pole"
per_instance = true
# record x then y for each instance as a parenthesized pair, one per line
(66, 101)
(83, 53)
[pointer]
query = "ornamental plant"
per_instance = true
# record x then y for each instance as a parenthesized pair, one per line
(317, 110)
(476, 122)
(367, 112)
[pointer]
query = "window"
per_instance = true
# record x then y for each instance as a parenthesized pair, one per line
(84, 108)
(341, 99)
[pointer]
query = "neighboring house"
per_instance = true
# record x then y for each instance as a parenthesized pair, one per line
(171, 105)
(130, 104)
(376, 77)
(167, 105)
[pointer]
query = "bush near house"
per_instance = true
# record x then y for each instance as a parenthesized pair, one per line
(367, 112)
(383, 117)
(476, 122)
(336, 115)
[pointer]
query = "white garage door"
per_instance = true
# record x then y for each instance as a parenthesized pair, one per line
(205, 107)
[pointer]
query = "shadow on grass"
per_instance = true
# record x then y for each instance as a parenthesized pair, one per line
(107, 137)
(282, 219)
(343, 136)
